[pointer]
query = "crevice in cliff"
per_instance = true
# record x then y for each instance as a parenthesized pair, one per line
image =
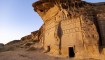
(99, 32)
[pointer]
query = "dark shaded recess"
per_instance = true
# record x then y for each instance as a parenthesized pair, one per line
(49, 48)
(99, 32)
(64, 6)
(41, 10)
(80, 4)
(76, 3)
(60, 33)
(71, 52)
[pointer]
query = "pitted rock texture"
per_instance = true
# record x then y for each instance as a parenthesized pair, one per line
(72, 28)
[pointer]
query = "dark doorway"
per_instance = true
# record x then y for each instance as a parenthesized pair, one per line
(48, 48)
(71, 52)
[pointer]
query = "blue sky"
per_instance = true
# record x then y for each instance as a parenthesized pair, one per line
(17, 19)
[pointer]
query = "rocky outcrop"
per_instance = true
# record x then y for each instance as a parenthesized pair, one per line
(34, 40)
(1, 47)
(72, 27)
(28, 37)
(13, 42)
(27, 42)
(34, 35)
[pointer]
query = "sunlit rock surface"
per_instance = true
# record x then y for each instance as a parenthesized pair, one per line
(72, 28)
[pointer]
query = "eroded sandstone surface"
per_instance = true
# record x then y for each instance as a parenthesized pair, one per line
(72, 28)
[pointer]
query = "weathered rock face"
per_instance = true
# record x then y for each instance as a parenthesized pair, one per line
(30, 40)
(34, 35)
(1, 45)
(35, 39)
(41, 34)
(28, 37)
(72, 27)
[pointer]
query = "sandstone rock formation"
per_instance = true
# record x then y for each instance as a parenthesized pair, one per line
(34, 35)
(28, 37)
(72, 28)
(28, 41)
(32, 40)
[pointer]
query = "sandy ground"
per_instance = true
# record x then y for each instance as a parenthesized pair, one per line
(21, 54)
(26, 55)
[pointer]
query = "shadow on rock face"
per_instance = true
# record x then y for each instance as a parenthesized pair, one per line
(1, 47)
